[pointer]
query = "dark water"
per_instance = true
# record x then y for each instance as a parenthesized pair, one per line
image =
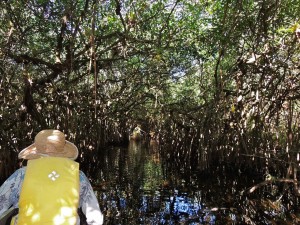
(136, 185)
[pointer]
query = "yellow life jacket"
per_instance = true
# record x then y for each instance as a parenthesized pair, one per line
(50, 192)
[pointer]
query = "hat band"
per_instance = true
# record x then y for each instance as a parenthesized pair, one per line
(42, 154)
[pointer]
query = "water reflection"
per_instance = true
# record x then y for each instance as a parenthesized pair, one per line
(134, 188)
(141, 184)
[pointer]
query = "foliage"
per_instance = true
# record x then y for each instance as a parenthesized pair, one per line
(217, 79)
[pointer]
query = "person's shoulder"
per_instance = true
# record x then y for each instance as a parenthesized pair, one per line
(19, 172)
(17, 175)
(82, 175)
(22, 169)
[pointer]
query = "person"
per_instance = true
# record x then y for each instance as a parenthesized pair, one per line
(51, 188)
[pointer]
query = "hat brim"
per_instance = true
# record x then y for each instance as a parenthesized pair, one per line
(31, 152)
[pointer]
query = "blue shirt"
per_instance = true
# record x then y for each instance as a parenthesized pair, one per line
(11, 188)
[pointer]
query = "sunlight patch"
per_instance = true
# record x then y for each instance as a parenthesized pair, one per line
(66, 211)
(36, 217)
(65, 216)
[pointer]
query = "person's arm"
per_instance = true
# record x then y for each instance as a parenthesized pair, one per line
(9, 191)
(89, 203)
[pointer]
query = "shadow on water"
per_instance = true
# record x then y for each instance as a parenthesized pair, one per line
(135, 185)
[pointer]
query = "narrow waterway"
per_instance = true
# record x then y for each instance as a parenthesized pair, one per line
(136, 185)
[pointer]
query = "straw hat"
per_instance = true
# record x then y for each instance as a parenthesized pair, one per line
(50, 143)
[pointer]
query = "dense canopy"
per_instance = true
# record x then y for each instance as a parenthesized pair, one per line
(215, 82)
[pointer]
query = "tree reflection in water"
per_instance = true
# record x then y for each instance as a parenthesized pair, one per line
(134, 188)
(141, 184)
